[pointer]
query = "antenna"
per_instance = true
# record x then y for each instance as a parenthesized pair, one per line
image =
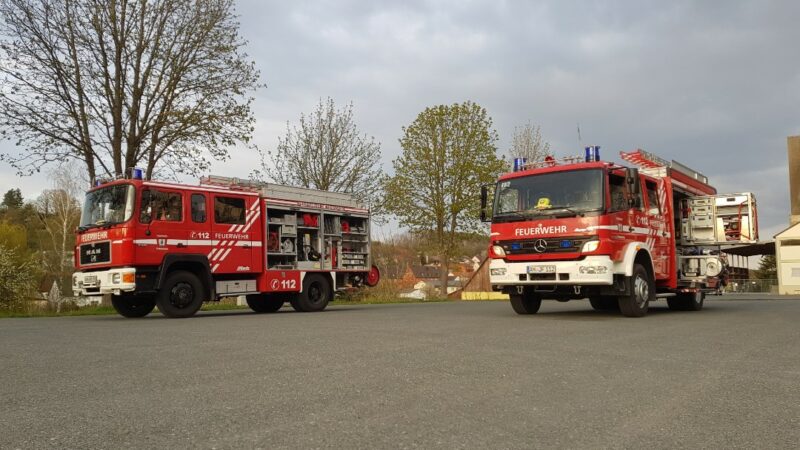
(579, 135)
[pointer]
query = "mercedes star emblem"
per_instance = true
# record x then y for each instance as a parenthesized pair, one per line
(540, 245)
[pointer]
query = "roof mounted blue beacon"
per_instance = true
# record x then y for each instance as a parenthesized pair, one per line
(138, 173)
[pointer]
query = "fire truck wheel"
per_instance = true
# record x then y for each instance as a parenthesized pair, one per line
(642, 292)
(131, 306)
(316, 294)
(181, 295)
(525, 303)
(263, 303)
(692, 301)
(604, 303)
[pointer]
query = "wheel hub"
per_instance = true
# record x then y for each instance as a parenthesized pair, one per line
(181, 295)
(641, 291)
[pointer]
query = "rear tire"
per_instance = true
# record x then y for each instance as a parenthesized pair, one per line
(264, 303)
(316, 295)
(642, 291)
(525, 303)
(604, 303)
(132, 306)
(688, 301)
(181, 295)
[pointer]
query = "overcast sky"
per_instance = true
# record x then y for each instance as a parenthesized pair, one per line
(714, 85)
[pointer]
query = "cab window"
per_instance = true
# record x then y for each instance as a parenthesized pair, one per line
(160, 205)
(198, 208)
(229, 210)
(653, 207)
(616, 185)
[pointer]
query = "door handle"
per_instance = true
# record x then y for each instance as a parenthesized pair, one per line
(246, 246)
(181, 245)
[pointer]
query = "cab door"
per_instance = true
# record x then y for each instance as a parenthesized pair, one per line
(235, 233)
(658, 221)
(165, 225)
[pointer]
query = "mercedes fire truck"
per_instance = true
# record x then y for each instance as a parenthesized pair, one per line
(620, 236)
(174, 246)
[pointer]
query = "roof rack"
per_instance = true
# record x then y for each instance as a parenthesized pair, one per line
(649, 160)
(282, 192)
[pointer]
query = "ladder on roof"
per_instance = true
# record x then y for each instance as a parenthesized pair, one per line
(647, 160)
(282, 192)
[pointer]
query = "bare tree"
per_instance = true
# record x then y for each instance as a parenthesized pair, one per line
(527, 142)
(123, 83)
(59, 213)
(326, 151)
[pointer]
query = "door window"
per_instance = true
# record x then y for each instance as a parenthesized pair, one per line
(229, 210)
(653, 208)
(198, 208)
(616, 186)
(161, 205)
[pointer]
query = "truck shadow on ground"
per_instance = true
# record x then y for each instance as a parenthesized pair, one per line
(551, 312)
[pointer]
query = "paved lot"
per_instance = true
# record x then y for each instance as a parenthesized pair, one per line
(444, 375)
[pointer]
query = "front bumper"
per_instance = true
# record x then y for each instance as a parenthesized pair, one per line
(111, 281)
(589, 271)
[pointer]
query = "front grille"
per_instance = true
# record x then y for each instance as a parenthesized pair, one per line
(95, 253)
(551, 245)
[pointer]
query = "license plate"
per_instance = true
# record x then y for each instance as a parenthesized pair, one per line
(541, 269)
(90, 279)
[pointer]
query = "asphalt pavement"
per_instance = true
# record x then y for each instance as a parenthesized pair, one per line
(436, 375)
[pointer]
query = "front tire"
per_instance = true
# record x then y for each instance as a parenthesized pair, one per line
(316, 295)
(604, 303)
(181, 295)
(642, 291)
(525, 303)
(264, 303)
(131, 306)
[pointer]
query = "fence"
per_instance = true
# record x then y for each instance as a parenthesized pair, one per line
(751, 285)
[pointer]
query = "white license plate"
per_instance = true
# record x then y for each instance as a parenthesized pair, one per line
(541, 269)
(90, 279)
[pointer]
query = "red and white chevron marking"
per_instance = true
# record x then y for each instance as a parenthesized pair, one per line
(222, 249)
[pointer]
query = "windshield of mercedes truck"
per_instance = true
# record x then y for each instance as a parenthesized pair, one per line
(555, 194)
(108, 205)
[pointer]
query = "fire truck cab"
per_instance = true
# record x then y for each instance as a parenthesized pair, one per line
(174, 246)
(620, 236)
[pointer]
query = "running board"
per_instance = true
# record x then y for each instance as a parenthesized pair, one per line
(666, 294)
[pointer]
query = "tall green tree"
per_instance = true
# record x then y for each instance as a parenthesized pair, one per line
(449, 151)
(116, 84)
(325, 150)
(12, 199)
(767, 268)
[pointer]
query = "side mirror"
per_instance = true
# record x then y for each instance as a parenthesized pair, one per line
(484, 200)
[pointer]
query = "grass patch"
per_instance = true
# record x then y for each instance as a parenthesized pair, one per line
(86, 311)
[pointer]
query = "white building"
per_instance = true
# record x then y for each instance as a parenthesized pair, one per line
(787, 258)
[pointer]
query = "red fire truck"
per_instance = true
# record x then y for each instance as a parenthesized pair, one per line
(620, 236)
(175, 246)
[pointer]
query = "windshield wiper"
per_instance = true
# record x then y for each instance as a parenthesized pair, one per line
(567, 209)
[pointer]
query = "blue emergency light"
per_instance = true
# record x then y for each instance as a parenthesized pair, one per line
(138, 173)
(566, 244)
(592, 153)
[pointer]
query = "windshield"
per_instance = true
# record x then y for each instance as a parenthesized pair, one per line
(556, 193)
(112, 204)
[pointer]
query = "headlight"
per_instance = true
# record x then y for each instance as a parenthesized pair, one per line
(590, 246)
(592, 270)
(115, 277)
(498, 251)
(498, 272)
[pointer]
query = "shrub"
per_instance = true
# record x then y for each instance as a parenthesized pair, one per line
(17, 278)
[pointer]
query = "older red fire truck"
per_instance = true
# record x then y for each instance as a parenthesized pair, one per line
(620, 236)
(174, 246)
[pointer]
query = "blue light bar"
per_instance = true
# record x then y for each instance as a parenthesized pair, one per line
(138, 173)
